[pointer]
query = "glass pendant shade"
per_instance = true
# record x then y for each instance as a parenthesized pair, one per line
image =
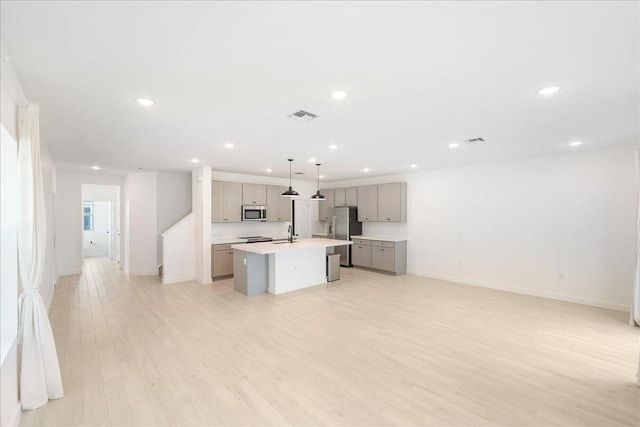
(290, 192)
(318, 196)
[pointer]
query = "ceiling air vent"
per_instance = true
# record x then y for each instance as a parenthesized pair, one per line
(302, 116)
(475, 140)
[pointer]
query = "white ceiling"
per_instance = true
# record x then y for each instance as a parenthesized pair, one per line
(419, 76)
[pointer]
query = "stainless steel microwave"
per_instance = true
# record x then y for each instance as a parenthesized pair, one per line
(254, 213)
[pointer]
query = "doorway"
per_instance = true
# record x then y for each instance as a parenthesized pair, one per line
(101, 221)
(302, 219)
(97, 229)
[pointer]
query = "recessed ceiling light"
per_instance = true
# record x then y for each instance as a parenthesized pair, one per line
(365, 170)
(269, 170)
(312, 160)
(413, 166)
(333, 147)
(454, 145)
(229, 145)
(145, 102)
(195, 161)
(321, 176)
(339, 95)
(548, 90)
(575, 143)
(95, 167)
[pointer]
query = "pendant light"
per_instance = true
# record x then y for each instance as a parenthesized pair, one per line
(290, 192)
(318, 196)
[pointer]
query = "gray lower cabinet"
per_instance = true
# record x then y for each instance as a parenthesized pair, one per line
(221, 260)
(383, 258)
(361, 254)
(380, 255)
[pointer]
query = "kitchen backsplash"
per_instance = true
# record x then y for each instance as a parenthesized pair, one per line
(240, 229)
(396, 229)
(279, 229)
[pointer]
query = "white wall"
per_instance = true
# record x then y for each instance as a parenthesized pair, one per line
(179, 255)
(173, 202)
(8, 243)
(142, 192)
(270, 229)
(556, 226)
(68, 217)
(103, 193)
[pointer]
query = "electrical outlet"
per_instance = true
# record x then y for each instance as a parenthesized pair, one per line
(459, 263)
(560, 276)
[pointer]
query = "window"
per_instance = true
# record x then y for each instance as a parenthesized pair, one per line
(88, 216)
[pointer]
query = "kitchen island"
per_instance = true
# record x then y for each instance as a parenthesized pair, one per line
(278, 267)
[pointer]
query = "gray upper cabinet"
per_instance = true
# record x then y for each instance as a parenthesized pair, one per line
(278, 207)
(326, 204)
(368, 203)
(226, 201)
(254, 194)
(392, 202)
(346, 196)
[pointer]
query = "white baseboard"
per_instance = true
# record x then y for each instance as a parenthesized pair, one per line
(177, 280)
(205, 281)
(143, 273)
(70, 273)
(15, 419)
(531, 292)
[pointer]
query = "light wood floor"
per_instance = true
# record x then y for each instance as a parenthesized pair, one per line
(368, 350)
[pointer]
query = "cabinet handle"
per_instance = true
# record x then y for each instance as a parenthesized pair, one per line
(226, 219)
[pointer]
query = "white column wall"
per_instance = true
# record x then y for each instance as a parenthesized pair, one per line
(142, 191)
(201, 189)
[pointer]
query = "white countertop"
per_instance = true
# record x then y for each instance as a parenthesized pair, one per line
(272, 248)
(382, 238)
(237, 240)
(226, 240)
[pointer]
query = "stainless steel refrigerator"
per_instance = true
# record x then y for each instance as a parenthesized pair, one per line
(342, 225)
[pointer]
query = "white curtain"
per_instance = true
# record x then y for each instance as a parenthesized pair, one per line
(39, 369)
(635, 309)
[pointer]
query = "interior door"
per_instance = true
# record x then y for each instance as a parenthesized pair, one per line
(303, 220)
